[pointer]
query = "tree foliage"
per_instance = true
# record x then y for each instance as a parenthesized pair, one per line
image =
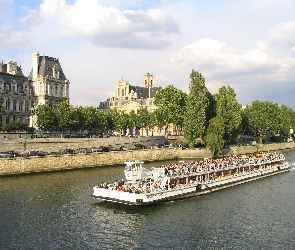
(47, 118)
(214, 137)
(170, 103)
(264, 118)
(229, 110)
(196, 110)
(287, 120)
(63, 111)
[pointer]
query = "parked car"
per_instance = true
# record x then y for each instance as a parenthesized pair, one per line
(104, 149)
(139, 146)
(95, 149)
(112, 148)
(125, 148)
(3, 155)
(12, 153)
(84, 150)
(37, 153)
(67, 151)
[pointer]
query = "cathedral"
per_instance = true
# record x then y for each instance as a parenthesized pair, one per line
(21, 95)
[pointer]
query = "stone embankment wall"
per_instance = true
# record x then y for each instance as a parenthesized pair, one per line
(56, 144)
(64, 162)
(259, 147)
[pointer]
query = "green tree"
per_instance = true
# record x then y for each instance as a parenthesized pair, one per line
(91, 120)
(214, 137)
(76, 119)
(102, 121)
(198, 102)
(13, 126)
(63, 111)
(132, 120)
(170, 103)
(122, 122)
(287, 120)
(264, 119)
(112, 119)
(46, 117)
(144, 119)
(229, 110)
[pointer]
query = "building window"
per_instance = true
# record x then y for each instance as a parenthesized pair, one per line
(7, 105)
(7, 120)
(56, 90)
(61, 91)
(26, 106)
(20, 106)
(14, 104)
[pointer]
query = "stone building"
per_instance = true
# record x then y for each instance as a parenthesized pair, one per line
(21, 95)
(129, 97)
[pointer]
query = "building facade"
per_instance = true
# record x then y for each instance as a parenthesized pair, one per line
(21, 95)
(129, 97)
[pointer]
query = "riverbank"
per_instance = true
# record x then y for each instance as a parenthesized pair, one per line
(56, 144)
(33, 164)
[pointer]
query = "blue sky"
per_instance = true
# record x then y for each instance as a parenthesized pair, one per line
(246, 44)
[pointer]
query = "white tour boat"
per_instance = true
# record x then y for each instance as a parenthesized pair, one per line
(143, 186)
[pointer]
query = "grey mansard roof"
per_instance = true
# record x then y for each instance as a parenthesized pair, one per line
(46, 65)
(144, 92)
(3, 69)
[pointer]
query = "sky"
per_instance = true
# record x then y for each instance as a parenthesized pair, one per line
(248, 45)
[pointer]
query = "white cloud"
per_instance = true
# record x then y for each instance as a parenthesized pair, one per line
(110, 26)
(12, 39)
(216, 58)
(283, 32)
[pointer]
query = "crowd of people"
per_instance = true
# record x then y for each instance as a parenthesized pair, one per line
(196, 172)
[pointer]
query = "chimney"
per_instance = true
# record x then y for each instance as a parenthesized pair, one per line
(35, 64)
(11, 67)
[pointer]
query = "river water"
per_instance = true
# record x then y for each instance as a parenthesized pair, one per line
(55, 211)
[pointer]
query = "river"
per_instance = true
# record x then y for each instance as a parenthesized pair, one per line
(55, 211)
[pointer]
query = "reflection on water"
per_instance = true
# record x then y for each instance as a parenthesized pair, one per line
(56, 211)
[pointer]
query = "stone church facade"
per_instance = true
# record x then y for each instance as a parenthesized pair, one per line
(21, 95)
(128, 97)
